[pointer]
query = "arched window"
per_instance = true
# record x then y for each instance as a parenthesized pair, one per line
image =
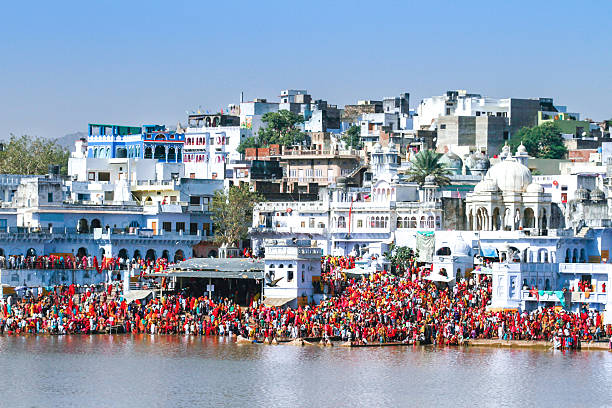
(422, 223)
(95, 223)
(413, 222)
(171, 155)
(400, 222)
(341, 222)
(430, 221)
(148, 152)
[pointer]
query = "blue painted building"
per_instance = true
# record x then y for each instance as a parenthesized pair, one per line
(144, 142)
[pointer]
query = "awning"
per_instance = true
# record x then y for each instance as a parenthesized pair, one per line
(357, 271)
(272, 301)
(489, 252)
(210, 274)
(439, 278)
(483, 271)
(133, 295)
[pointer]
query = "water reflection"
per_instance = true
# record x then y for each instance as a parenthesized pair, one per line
(144, 370)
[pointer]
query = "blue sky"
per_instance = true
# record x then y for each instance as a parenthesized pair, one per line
(65, 64)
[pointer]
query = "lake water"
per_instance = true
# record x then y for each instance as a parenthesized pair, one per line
(177, 371)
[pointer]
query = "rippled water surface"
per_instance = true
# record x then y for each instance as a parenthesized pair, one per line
(170, 371)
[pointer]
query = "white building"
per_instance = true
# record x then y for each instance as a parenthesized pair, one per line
(291, 268)
(211, 142)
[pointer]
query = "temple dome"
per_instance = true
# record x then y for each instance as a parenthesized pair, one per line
(452, 162)
(461, 248)
(486, 186)
(510, 176)
(535, 188)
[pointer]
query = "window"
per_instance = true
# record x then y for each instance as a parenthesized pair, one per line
(50, 197)
(303, 224)
(359, 223)
(193, 228)
(206, 228)
(443, 126)
(289, 276)
(91, 176)
(3, 224)
(194, 200)
(167, 226)
(180, 226)
(103, 176)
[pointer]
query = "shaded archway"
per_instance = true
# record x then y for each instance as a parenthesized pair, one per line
(528, 218)
(95, 223)
(179, 256)
(160, 153)
(165, 254)
(31, 252)
(123, 253)
(148, 152)
(137, 254)
(121, 153)
(150, 255)
(496, 219)
(212, 253)
(82, 226)
(171, 155)
(81, 252)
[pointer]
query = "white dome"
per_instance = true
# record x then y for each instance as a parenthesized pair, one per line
(377, 147)
(521, 150)
(486, 186)
(510, 176)
(461, 248)
(535, 188)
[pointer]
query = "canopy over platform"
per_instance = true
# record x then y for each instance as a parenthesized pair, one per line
(439, 278)
(228, 268)
(272, 301)
(133, 295)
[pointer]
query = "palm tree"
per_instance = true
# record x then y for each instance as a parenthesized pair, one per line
(427, 162)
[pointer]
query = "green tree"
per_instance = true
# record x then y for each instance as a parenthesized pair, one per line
(232, 214)
(401, 257)
(544, 141)
(280, 128)
(427, 162)
(352, 137)
(32, 155)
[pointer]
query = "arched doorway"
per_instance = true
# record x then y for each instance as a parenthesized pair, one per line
(31, 252)
(81, 252)
(95, 223)
(179, 256)
(137, 254)
(148, 152)
(160, 153)
(150, 255)
(123, 253)
(82, 226)
(171, 155)
(165, 254)
(496, 219)
(528, 218)
(212, 253)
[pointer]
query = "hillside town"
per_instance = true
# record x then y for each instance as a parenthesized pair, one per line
(387, 220)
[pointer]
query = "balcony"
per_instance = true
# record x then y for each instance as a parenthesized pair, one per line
(589, 297)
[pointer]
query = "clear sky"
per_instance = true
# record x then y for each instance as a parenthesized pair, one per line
(64, 64)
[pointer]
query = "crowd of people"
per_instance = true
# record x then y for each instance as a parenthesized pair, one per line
(81, 262)
(381, 307)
